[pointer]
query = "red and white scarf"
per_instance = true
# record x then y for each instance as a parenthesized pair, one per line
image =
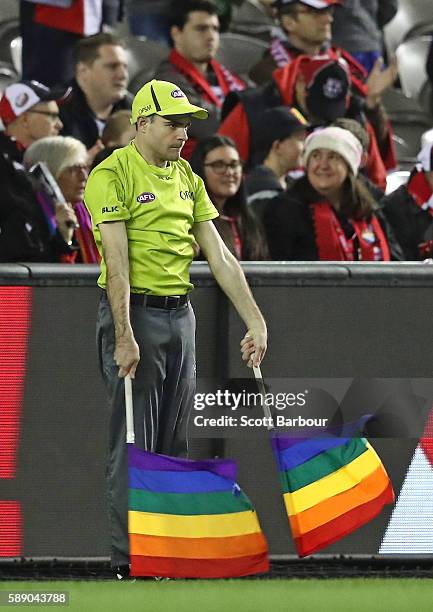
(333, 245)
(227, 81)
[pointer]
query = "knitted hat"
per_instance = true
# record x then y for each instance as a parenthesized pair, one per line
(338, 140)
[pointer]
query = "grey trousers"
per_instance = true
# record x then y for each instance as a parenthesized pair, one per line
(163, 394)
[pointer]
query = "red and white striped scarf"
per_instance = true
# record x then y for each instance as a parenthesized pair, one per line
(227, 81)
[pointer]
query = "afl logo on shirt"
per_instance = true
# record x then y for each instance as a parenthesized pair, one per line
(177, 93)
(146, 197)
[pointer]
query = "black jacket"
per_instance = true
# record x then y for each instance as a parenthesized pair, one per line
(289, 225)
(78, 118)
(410, 223)
(262, 185)
(24, 232)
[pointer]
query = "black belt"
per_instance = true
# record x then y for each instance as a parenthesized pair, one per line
(169, 302)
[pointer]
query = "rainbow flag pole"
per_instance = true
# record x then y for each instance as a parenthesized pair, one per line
(331, 486)
(189, 519)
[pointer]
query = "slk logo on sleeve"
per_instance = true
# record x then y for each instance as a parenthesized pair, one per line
(146, 197)
(110, 209)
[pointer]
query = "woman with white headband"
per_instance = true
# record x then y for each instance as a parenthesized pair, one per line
(329, 214)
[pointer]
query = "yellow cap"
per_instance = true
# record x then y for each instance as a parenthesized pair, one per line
(163, 98)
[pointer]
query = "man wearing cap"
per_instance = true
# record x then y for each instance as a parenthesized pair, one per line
(409, 209)
(192, 65)
(281, 144)
(29, 111)
(147, 208)
(307, 31)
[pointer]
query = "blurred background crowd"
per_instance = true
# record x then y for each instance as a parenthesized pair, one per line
(319, 142)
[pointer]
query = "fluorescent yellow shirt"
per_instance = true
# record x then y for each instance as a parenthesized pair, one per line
(159, 207)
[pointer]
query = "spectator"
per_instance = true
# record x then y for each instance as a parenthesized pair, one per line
(358, 27)
(98, 90)
(329, 214)
(317, 86)
(192, 65)
(118, 131)
(281, 143)
(409, 209)
(29, 112)
(50, 30)
(217, 161)
(307, 31)
(67, 160)
(150, 18)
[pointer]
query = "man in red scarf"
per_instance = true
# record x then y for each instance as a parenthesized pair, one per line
(192, 65)
(409, 209)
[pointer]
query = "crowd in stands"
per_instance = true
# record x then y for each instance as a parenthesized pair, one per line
(294, 155)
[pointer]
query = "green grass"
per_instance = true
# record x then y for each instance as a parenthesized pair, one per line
(279, 595)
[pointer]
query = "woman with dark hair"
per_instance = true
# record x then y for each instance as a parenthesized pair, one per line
(329, 214)
(217, 161)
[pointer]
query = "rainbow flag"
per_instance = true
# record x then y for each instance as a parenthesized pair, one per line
(331, 486)
(189, 519)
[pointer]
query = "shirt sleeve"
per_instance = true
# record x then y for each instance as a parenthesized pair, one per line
(104, 197)
(204, 210)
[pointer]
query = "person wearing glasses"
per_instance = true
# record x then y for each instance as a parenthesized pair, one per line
(29, 111)
(217, 161)
(67, 160)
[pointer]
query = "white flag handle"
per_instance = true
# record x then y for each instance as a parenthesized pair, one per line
(130, 436)
(262, 389)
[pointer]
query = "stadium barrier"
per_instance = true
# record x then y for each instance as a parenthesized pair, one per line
(327, 322)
